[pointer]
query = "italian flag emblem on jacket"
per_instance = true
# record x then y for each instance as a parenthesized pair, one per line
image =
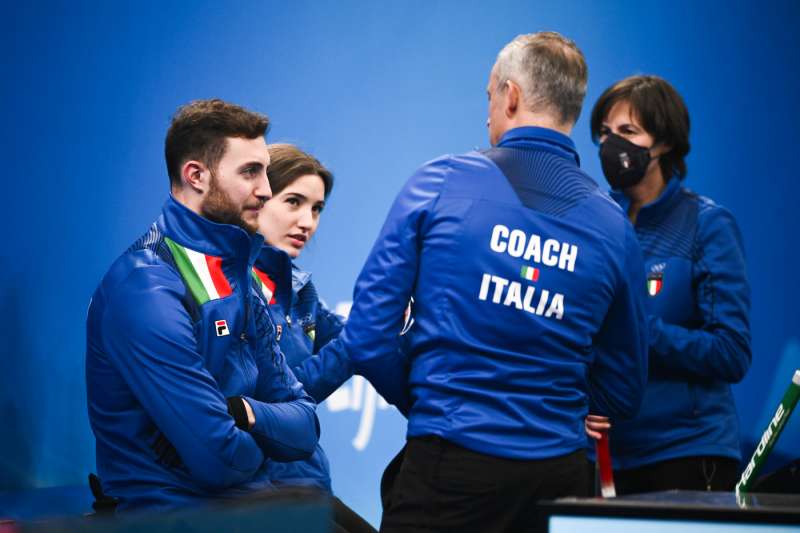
(655, 281)
(201, 273)
(204, 276)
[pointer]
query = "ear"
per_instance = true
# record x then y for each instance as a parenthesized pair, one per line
(196, 176)
(513, 98)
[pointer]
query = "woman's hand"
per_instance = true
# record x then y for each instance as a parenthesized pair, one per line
(595, 425)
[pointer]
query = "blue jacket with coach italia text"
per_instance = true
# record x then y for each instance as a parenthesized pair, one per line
(303, 330)
(698, 301)
(528, 304)
(175, 327)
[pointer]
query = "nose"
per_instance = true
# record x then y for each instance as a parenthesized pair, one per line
(306, 220)
(263, 191)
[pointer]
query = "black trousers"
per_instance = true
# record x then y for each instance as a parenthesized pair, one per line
(443, 487)
(685, 473)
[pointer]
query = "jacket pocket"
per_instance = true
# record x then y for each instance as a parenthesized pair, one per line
(666, 398)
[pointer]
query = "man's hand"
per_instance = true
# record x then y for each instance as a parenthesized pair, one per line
(595, 425)
(251, 416)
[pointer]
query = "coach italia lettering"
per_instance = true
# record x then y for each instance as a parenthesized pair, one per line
(529, 248)
(513, 296)
(517, 243)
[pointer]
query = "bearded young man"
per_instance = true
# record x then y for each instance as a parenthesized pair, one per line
(189, 395)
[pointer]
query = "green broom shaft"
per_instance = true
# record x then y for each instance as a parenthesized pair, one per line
(771, 434)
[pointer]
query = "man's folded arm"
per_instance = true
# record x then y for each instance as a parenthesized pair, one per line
(285, 431)
(286, 425)
(148, 336)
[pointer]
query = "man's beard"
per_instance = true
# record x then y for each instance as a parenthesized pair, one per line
(218, 207)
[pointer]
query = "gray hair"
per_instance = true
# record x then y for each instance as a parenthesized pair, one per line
(549, 69)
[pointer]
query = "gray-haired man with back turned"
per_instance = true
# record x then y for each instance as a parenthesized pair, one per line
(528, 305)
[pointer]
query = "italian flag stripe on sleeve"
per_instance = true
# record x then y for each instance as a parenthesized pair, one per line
(202, 273)
(266, 285)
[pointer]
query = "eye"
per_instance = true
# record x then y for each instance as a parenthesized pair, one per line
(317, 209)
(251, 172)
(604, 130)
(293, 201)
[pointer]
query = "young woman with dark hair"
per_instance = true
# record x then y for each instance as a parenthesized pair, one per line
(300, 186)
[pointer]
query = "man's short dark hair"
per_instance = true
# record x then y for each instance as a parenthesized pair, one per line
(659, 109)
(551, 71)
(199, 131)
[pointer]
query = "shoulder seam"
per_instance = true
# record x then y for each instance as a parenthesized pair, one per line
(158, 264)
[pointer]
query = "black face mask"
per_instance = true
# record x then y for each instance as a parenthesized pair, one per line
(624, 163)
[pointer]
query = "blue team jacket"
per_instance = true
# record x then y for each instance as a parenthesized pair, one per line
(527, 286)
(304, 329)
(698, 302)
(158, 364)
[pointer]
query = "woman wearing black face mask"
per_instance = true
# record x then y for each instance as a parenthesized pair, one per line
(686, 434)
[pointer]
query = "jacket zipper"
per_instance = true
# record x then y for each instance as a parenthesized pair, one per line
(243, 335)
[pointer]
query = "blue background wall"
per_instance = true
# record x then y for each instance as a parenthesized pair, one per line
(373, 89)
